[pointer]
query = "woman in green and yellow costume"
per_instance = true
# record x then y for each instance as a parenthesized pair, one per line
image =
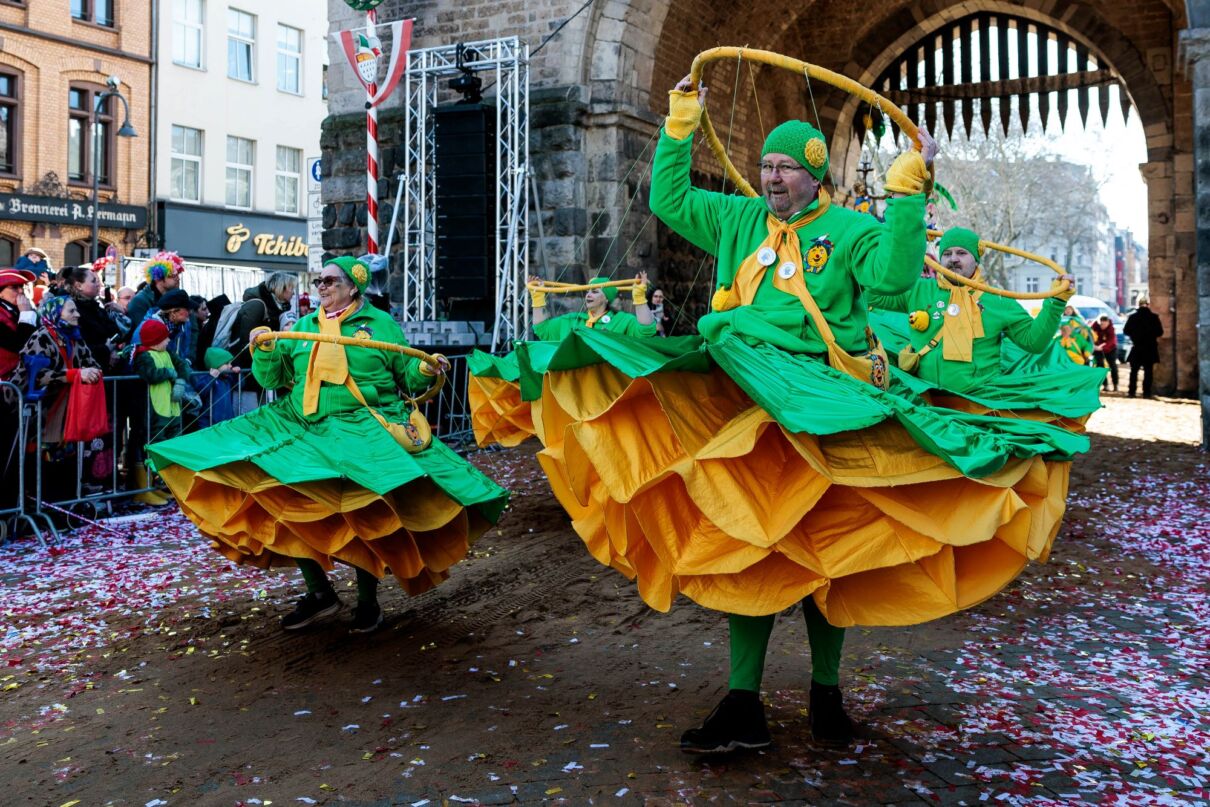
(960, 344)
(779, 460)
(316, 477)
(500, 413)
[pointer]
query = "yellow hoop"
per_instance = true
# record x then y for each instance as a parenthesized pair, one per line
(350, 341)
(555, 287)
(1012, 295)
(810, 71)
(872, 98)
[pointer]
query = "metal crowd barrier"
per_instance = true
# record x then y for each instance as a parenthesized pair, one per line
(12, 401)
(450, 412)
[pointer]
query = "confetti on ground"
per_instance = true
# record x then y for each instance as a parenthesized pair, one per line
(1086, 680)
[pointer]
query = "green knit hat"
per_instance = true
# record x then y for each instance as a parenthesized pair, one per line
(803, 142)
(610, 292)
(216, 357)
(356, 271)
(960, 237)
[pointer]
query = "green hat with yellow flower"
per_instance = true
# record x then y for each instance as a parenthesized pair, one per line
(960, 237)
(610, 292)
(356, 271)
(803, 142)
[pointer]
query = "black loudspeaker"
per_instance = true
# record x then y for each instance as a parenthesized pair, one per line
(466, 210)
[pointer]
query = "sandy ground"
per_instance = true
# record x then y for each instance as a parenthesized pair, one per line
(151, 672)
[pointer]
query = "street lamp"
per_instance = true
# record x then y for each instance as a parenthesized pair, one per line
(126, 131)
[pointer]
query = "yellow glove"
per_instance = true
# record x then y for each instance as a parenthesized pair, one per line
(638, 294)
(1066, 295)
(684, 113)
(537, 297)
(919, 320)
(721, 300)
(266, 345)
(908, 174)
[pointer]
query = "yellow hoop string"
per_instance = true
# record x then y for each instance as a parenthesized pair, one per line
(375, 344)
(760, 120)
(555, 287)
(1012, 295)
(798, 66)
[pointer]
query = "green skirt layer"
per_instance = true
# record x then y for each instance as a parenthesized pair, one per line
(804, 395)
(348, 447)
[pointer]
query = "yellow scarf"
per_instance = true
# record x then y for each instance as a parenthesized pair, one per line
(962, 321)
(594, 320)
(328, 362)
(783, 240)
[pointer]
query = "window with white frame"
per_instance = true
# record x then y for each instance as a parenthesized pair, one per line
(186, 183)
(289, 59)
(1031, 284)
(241, 161)
(188, 27)
(241, 45)
(287, 180)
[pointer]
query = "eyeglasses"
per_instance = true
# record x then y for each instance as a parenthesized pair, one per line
(785, 169)
(330, 280)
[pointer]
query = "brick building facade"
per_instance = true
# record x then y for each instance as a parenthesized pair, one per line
(53, 63)
(599, 93)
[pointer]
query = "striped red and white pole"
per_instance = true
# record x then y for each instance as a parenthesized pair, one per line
(371, 153)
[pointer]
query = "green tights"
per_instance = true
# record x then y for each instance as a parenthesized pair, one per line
(750, 639)
(317, 580)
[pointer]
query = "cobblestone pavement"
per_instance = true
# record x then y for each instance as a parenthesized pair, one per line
(534, 676)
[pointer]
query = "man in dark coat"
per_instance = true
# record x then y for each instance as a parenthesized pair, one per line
(1144, 329)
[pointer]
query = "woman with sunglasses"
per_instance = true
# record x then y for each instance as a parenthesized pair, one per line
(317, 478)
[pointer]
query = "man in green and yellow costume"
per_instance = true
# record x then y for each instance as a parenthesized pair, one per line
(596, 313)
(981, 352)
(956, 331)
(785, 251)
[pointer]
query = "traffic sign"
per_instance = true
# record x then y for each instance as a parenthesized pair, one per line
(314, 173)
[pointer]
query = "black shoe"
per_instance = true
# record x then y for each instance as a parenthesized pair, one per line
(310, 608)
(829, 723)
(737, 722)
(367, 616)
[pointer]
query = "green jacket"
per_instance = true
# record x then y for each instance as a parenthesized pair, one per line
(379, 374)
(556, 328)
(863, 253)
(1002, 319)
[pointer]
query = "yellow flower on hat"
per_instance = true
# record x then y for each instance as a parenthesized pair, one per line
(360, 275)
(816, 153)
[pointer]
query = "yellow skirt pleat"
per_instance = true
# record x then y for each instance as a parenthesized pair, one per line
(684, 485)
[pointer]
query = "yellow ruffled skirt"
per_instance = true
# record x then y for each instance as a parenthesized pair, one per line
(679, 481)
(498, 415)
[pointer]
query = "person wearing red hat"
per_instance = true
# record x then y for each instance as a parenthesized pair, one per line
(17, 323)
(165, 374)
(17, 318)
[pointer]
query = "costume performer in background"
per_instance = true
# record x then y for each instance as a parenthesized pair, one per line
(316, 477)
(953, 341)
(499, 412)
(780, 460)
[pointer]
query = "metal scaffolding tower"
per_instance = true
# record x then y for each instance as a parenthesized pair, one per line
(507, 62)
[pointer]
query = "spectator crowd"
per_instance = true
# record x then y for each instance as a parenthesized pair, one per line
(108, 370)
